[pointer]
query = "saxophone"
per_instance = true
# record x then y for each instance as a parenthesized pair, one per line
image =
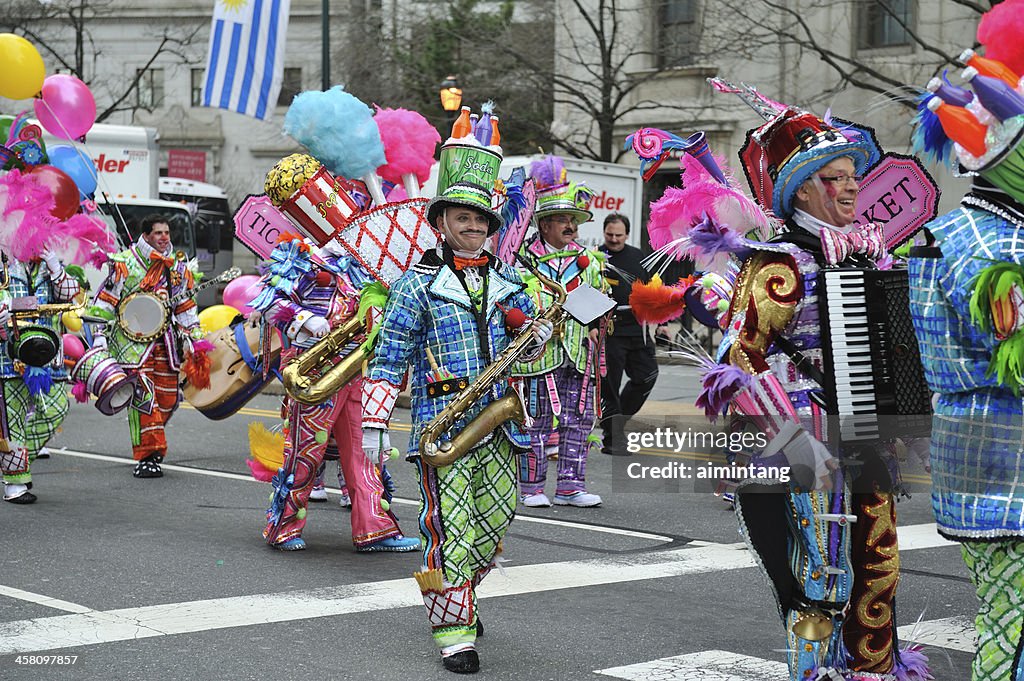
(509, 407)
(310, 378)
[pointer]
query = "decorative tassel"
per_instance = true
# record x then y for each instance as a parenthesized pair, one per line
(38, 380)
(80, 392)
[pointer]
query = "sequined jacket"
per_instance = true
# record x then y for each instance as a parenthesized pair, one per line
(429, 309)
(34, 279)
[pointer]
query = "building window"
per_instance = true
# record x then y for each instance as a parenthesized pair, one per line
(884, 23)
(150, 92)
(291, 85)
(198, 78)
(676, 32)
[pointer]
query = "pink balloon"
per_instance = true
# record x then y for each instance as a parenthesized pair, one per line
(240, 291)
(73, 347)
(66, 107)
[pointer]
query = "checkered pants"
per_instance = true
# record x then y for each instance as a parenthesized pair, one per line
(997, 570)
(574, 427)
(28, 422)
(147, 430)
(465, 510)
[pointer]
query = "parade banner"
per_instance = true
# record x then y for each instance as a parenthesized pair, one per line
(258, 223)
(390, 239)
(900, 195)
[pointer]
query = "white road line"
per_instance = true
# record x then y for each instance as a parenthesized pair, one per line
(52, 633)
(39, 599)
(955, 633)
(397, 500)
(707, 665)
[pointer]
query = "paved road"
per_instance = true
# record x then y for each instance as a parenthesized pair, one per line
(169, 578)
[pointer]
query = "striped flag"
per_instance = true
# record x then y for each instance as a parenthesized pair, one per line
(245, 64)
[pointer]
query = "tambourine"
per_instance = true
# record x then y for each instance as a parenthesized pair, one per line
(142, 316)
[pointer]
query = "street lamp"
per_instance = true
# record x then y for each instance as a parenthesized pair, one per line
(451, 95)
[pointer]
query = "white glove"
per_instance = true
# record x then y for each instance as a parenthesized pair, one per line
(52, 262)
(543, 329)
(376, 444)
(99, 341)
(805, 454)
(5, 315)
(317, 326)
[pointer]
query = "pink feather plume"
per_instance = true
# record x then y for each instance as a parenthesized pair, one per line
(1001, 31)
(80, 392)
(409, 144)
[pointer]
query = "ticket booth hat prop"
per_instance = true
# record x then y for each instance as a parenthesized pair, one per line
(312, 198)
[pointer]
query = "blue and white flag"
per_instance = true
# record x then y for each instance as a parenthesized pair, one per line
(245, 64)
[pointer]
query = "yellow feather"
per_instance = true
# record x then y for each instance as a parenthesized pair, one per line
(266, 447)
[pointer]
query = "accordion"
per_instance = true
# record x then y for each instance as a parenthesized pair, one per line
(873, 378)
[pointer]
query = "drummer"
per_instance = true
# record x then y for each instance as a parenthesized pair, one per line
(32, 374)
(148, 272)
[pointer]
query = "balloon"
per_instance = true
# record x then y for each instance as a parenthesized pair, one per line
(62, 187)
(21, 68)
(73, 346)
(240, 291)
(78, 166)
(216, 317)
(72, 322)
(66, 107)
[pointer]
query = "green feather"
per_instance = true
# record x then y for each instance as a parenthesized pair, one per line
(990, 286)
(374, 294)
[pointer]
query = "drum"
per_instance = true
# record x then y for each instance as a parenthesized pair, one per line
(105, 380)
(142, 316)
(36, 346)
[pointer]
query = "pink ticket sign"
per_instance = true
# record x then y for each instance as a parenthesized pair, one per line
(258, 223)
(900, 195)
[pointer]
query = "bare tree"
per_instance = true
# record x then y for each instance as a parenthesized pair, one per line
(62, 31)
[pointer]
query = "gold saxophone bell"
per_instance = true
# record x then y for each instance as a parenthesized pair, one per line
(437, 453)
(813, 625)
(311, 377)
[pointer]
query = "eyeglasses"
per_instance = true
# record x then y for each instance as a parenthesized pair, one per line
(842, 179)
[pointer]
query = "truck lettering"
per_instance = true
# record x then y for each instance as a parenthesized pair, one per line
(110, 165)
(606, 202)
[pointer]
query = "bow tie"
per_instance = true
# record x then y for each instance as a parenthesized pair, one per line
(867, 239)
(155, 273)
(463, 263)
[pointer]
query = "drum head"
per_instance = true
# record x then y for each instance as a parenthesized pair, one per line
(142, 316)
(36, 346)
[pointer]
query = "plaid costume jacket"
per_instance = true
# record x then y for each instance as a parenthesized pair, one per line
(428, 308)
(34, 280)
(572, 342)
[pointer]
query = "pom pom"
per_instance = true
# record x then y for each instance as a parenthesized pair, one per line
(1001, 31)
(324, 278)
(409, 143)
(338, 129)
(583, 262)
(656, 303)
(80, 392)
(515, 318)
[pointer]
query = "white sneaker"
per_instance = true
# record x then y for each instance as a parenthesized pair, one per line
(538, 500)
(318, 493)
(346, 500)
(579, 499)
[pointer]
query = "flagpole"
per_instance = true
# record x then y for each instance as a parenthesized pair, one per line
(325, 47)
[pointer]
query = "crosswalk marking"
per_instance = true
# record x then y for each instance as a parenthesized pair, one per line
(93, 627)
(954, 633)
(708, 665)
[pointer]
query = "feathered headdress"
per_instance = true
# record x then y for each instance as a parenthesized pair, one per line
(556, 195)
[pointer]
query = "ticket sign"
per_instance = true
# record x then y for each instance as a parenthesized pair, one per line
(900, 195)
(258, 224)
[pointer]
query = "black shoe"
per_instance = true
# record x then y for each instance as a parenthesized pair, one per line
(26, 498)
(149, 467)
(466, 662)
(479, 628)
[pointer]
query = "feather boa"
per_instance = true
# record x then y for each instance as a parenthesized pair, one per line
(338, 129)
(409, 142)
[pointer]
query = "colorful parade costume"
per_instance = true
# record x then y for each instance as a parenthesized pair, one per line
(141, 269)
(445, 321)
(826, 539)
(968, 312)
(309, 291)
(562, 384)
(35, 398)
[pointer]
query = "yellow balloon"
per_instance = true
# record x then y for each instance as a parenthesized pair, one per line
(72, 322)
(21, 68)
(216, 317)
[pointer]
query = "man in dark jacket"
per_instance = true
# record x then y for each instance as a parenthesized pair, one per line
(627, 348)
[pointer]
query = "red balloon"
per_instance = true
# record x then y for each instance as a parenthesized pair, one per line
(62, 188)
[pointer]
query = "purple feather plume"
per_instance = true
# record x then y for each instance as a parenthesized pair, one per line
(719, 385)
(912, 665)
(710, 238)
(548, 172)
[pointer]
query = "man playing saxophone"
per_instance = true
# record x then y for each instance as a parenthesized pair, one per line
(305, 296)
(447, 319)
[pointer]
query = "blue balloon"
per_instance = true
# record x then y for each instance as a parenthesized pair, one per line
(78, 166)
